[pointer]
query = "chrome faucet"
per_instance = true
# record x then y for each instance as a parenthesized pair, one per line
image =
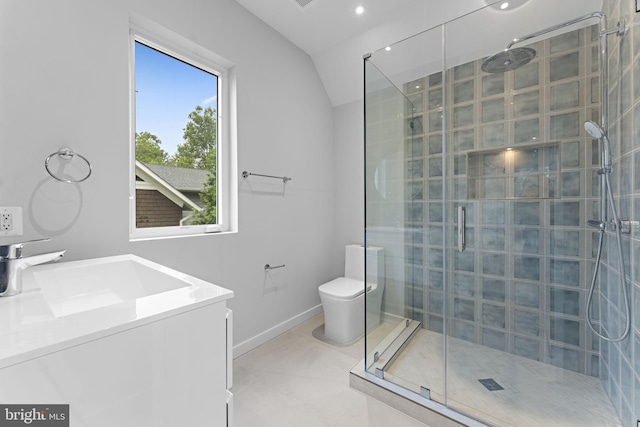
(12, 264)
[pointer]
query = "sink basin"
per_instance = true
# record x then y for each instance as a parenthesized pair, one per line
(74, 287)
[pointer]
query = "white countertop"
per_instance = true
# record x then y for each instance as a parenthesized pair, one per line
(29, 328)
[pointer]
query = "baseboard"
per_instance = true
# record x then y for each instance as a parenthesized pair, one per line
(271, 333)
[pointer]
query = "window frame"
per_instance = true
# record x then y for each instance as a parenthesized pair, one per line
(195, 55)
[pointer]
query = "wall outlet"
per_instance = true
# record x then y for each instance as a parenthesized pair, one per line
(10, 221)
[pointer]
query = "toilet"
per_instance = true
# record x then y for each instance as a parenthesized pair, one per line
(343, 298)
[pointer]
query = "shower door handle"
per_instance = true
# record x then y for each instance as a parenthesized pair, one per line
(462, 228)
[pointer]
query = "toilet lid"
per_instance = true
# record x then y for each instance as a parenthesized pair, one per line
(343, 288)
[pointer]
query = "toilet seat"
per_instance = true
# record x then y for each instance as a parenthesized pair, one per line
(343, 288)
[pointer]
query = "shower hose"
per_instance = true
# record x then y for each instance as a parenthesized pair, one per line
(623, 277)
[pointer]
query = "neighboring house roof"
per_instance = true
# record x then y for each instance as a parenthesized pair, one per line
(182, 179)
(177, 184)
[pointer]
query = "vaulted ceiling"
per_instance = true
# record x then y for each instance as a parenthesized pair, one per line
(336, 38)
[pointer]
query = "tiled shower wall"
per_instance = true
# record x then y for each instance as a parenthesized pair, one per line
(518, 160)
(620, 362)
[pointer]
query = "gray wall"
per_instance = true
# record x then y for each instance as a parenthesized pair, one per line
(65, 82)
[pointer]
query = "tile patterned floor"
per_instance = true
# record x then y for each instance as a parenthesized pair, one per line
(299, 380)
(535, 394)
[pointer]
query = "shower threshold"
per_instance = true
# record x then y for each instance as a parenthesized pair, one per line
(528, 385)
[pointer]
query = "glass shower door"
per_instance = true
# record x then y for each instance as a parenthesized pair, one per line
(404, 189)
(521, 180)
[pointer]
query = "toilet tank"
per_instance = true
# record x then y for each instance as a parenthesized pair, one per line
(354, 263)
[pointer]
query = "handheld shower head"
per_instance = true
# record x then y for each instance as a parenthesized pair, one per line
(595, 131)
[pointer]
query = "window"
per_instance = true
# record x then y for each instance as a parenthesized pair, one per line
(178, 179)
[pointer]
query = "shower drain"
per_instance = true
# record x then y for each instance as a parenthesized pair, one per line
(491, 384)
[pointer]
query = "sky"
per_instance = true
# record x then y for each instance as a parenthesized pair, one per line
(167, 90)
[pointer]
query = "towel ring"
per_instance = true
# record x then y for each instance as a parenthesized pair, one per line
(67, 154)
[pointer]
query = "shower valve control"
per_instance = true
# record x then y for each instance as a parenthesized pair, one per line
(626, 226)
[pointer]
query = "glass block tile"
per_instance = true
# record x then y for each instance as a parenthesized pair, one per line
(415, 146)
(526, 76)
(526, 322)
(463, 140)
(526, 241)
(464, 309)
(494, 188)
(565, 125)
(435, 144)
(493, 315)
(435, 98)
(464, 70)
(460, 165)
(526, 131)
(464, 261)
(435, 212)
(463, 116)
(527, 268)
(565, 330)
(564, 301)
(527, 160)
(525, 104)
(564, 272)
(494, 339)
(435, 304)
(570, 154)
(492, 239)
(571, 185)
(493, 212)
(492, 84)
(564, 66)
(565, 41)
(527, 295)
(494, 264)
(493, 289)
(464, 331)
(414, 169)
(435, 189)
(435, 121)
(565, 213)
(526, 348)
(526, 213)
(414, 105)
(493, 135)
(435, 166)
(493, 163)
(414, 126)
(493, 110)
(564, 242)
(463, 92)
(565, 358)
(436, 280)
(527, 186)
(435, 79)
(464, 284)
(414, 86)
(566, 95)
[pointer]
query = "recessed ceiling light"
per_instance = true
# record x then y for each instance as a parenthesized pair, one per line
(388, 48)
(504, 5)
(360, 10)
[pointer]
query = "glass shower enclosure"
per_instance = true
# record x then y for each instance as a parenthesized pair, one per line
(478, 187)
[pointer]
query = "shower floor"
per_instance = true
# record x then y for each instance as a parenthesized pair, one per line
(535, 394)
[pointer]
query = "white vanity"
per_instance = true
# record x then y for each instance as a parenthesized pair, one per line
(124, 341)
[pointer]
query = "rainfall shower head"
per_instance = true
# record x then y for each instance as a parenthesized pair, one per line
(508, 60)
(594, 130)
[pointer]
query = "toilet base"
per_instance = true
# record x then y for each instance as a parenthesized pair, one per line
(343, 319)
